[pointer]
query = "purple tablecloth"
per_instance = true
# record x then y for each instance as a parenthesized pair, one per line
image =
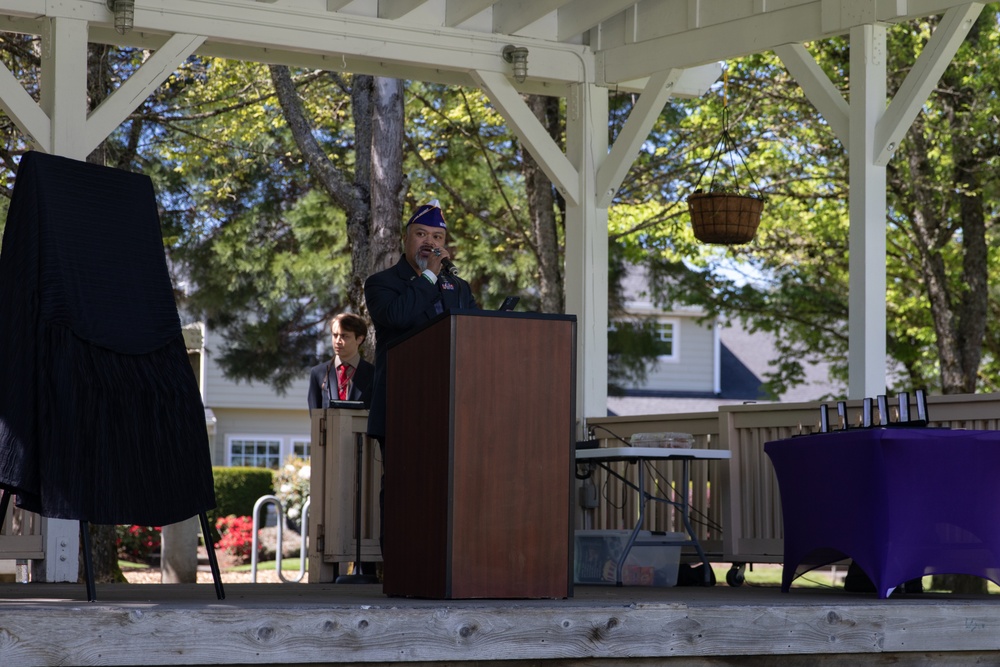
(903, 503)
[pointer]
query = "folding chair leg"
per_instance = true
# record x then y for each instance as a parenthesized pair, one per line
(213, 562)
(88, 564)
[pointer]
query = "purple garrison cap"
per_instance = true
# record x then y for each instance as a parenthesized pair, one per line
(429, 215)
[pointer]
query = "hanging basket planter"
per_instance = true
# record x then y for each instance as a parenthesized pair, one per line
(725, 215)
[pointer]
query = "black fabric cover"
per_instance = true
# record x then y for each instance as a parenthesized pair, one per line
(101, 418)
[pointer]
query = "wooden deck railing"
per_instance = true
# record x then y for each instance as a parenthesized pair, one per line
(21, 535)
(741, 496)
(737, 509)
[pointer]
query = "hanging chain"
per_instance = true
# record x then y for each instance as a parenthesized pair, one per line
(726, 146)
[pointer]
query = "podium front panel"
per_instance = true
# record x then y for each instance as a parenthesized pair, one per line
(480, 505)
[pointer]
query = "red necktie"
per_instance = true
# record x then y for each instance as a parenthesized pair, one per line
(344, 373)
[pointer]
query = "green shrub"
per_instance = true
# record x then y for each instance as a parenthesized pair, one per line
(237, 489)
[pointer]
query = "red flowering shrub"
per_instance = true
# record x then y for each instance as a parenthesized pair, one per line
(137, 543)
(237, 536)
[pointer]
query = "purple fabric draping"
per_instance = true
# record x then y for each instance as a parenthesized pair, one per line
(101, 418)
(902, 502)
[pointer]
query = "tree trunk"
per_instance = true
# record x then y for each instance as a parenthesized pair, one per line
(359, 215)
(104, 552)
(179, 552)
(372, 199)
(959, 316)
(542, 209)
(388, 189)
(352, 195)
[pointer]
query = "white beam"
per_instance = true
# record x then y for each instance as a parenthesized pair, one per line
(113, 111)
(580, 16)
(24, 111)
(431, 47)
(268, 32)
(64, 101)
(62, 546)
(734, 35)
(64, 85)
(818, 88)
(510, 16)
(397, 9)
(531, 133)
(460, 11)
(923, 77)
(867, 244)
(586, 275)
(701, 45)
(640, 121)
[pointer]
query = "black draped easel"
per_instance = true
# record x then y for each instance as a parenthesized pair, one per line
(101, 418)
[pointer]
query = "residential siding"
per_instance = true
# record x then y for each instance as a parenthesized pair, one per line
(249, 409)
(221, 392)
(693, 370)
(282, 424)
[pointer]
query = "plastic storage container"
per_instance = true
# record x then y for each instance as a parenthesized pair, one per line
(597, 552)
(669, 439)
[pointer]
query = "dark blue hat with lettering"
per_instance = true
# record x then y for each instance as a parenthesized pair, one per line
(429, 215)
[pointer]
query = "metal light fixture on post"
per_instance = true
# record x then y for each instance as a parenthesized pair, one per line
(518, 57)
(124, 11)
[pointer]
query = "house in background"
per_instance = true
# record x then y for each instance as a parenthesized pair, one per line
(249, 424)
(704, 365)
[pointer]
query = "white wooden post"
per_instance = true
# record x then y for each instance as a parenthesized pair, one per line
(587, 247)
(866, 298)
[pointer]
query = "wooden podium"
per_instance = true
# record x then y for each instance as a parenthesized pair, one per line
(479, 447)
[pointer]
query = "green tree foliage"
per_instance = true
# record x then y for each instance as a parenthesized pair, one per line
(262, 253)
(461, 153)
(793, 279)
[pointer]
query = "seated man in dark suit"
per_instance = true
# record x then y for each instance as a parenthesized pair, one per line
(346, 377)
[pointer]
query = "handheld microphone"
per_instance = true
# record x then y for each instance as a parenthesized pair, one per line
(446, 263)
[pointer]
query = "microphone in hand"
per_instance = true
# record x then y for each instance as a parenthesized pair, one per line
(446, 263)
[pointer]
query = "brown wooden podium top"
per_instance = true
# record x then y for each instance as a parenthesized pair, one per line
(463, 312)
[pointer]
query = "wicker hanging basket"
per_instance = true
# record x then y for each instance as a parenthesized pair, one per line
(727, 215)
(724, 217)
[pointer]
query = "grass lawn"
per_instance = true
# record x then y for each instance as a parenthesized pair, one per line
(129, 565)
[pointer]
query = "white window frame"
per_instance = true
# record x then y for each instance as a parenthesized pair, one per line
(675, 342)
(286, 444)
(305, 441)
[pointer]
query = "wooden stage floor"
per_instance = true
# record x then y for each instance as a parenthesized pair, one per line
(329, 624)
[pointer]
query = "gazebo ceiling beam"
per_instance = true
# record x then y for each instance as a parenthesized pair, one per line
(630, 48)
(610, 43)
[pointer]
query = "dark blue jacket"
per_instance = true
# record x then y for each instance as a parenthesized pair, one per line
(398, 300)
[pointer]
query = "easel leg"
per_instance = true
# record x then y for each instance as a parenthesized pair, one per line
(88, 563)
(213, 562)
(4, 505)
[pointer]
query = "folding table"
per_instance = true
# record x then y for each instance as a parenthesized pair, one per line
(901, 502)
(603, 456)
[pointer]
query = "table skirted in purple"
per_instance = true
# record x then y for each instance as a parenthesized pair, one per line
(902, 502)
(101, 418)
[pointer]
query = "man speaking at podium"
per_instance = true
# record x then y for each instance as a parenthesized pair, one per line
(421, 285)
